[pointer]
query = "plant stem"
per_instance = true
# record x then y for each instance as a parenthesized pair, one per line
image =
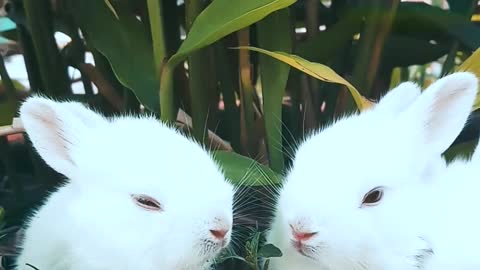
(52, 68)
(199, 74)
(227, 87)
(167, 100)
(246, 95)
(30, 59)
(6, 80)
(156, 27)
(377, 28)
(274, 34)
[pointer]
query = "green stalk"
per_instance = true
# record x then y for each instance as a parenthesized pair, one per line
(156, 27)
(10, 165)
(246, 95)
(450, 61)
(167, 99)
(199, 74)
(404, 74)
(52, 68)
(274, 34)
(30, 59)
(377, 28)
(6, 80)
(227, 86)
(103, 66)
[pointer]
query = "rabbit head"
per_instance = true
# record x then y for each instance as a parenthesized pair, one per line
(351, 198)
(137, 190)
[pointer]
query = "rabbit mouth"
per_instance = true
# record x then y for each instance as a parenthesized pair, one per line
(305, 250)
(211, 248)
(421, 258)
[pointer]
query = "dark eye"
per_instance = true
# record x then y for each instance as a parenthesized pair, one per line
(373, 197)
(147, 202)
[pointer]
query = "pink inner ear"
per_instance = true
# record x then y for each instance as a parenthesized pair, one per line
(439, 108)
(448, 113)
(52, 124)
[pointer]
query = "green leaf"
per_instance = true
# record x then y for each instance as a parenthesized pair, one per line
(472, 64)
(8, 109)
(109, 5)
(125, 43)
(461, 6)
(2, 217)
(429, 22)
(252, 249)
(325, 44)
(269, 251)
(404, 51)
(245, 171)
(461, 150)
(318, 71)
(158, 37)
(274, 34)
(9, 36)
(223, 17)
(227, 254)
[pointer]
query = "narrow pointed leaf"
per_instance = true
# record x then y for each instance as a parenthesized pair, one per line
(117, 40)
(223, 17)
(109, 5)
(242, 170)
(318, 71)
(472, 64)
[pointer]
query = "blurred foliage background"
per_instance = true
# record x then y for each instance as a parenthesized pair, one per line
(181, 61)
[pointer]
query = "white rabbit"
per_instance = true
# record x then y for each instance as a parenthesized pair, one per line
(138, 196)
(456, 203)
(354, 197)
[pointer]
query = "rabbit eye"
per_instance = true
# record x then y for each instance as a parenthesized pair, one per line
(373, 197)
(147, 202)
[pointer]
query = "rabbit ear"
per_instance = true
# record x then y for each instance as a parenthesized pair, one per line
(442, 110)
(55, 128)
(399, 98)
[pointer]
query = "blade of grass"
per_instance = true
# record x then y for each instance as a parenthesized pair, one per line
(316, 70)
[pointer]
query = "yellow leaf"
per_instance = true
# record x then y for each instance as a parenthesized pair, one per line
(472, 64)
(316, 70)
(110, 6)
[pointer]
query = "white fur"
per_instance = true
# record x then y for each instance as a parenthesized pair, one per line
(397, 149)
(455, 204)
(92, 222)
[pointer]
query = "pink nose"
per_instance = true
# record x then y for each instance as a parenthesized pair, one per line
(301, 235)
(219, 234)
